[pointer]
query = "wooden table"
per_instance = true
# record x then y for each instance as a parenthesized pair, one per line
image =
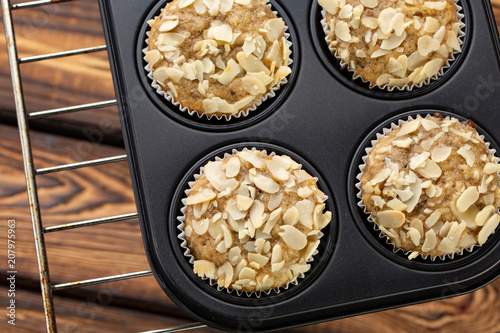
(135, 305)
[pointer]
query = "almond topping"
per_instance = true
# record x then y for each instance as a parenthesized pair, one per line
(467, 199)
(331, 6)
(233, 167)
(295, 239)
(484, 215)
(256, 214)
(305, 209)
(430, 241)
(274, 29)
(205, 269)
(391, 219)
(369, 3)
(440, 154)
(489, 228)
(205, 194)
(491, 168)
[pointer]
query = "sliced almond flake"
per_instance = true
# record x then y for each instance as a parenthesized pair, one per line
(405, 143)
(404, 195)
(274, 28)
(251, 63)
(467, 242)
(390, 219)
(258, 258)
(419, 160)
(396, 204)
(467, 199)
(295, 239)
(234, 255)
(429, 170)
(274, 201)
(430, 241)
(169, 25)
(381, 176)
(392, 42)
(185, 3)
(369, 3)
(234, 211)
(244, 203)
(291, 216)
(247, 273)
(379, 53)
(416, 189)
(468, 155)
(271, 222)
(266, 184)
(302, 176)
(452, 41)
(385, 18)
(441, 154)
(342, 31)
(205, 194)
(437, 5)
(331, 6)
(345, 12)
(256, 214)
(415, 236)
(205, 269)
(431, 25)
(305, 209)
(201, 227)
(233, 167)
(439, 35)
(488, 229)
(253, 159)
(304, 192)
(446, 246)
(484, 215)
(409, 127)
(217, 177)
(277, 266)
(491, 168)
(231, 71)
(427, 44)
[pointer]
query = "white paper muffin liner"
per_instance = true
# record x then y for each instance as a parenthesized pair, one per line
(408, 87)
(382, 235)
(242, 113)
(189, 256)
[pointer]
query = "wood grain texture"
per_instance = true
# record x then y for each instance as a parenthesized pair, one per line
(71, 196)
(117, 248)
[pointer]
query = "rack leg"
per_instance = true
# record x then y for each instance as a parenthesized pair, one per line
(22, 120)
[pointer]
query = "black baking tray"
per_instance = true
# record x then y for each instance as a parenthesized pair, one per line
(323, 119)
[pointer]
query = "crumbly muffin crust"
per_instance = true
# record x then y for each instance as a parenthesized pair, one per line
(253, 221)
(431, 186)
(218, 57)
(394, 43)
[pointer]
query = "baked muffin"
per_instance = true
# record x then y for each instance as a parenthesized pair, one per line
(253, 221)
(218, 57)
(392, 43)
(431, 186)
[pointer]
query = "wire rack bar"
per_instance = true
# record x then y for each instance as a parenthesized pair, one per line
(181, 328)
(83, 107)
(63, 54)
(90, 223)
(29, 168)
(80, 165)
(38, 3)
(107, 279)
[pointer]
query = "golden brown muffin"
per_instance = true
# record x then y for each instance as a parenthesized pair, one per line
(253, 221)
(431, 186)
(393, 43)
(218, 57)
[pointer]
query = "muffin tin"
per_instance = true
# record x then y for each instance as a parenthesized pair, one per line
(324, 120)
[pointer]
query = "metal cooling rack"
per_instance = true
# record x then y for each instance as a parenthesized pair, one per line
(39, 231)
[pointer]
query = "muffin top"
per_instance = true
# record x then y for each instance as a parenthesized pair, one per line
(431, 186)
(218, 57)
(393, 43)
(253, 221)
